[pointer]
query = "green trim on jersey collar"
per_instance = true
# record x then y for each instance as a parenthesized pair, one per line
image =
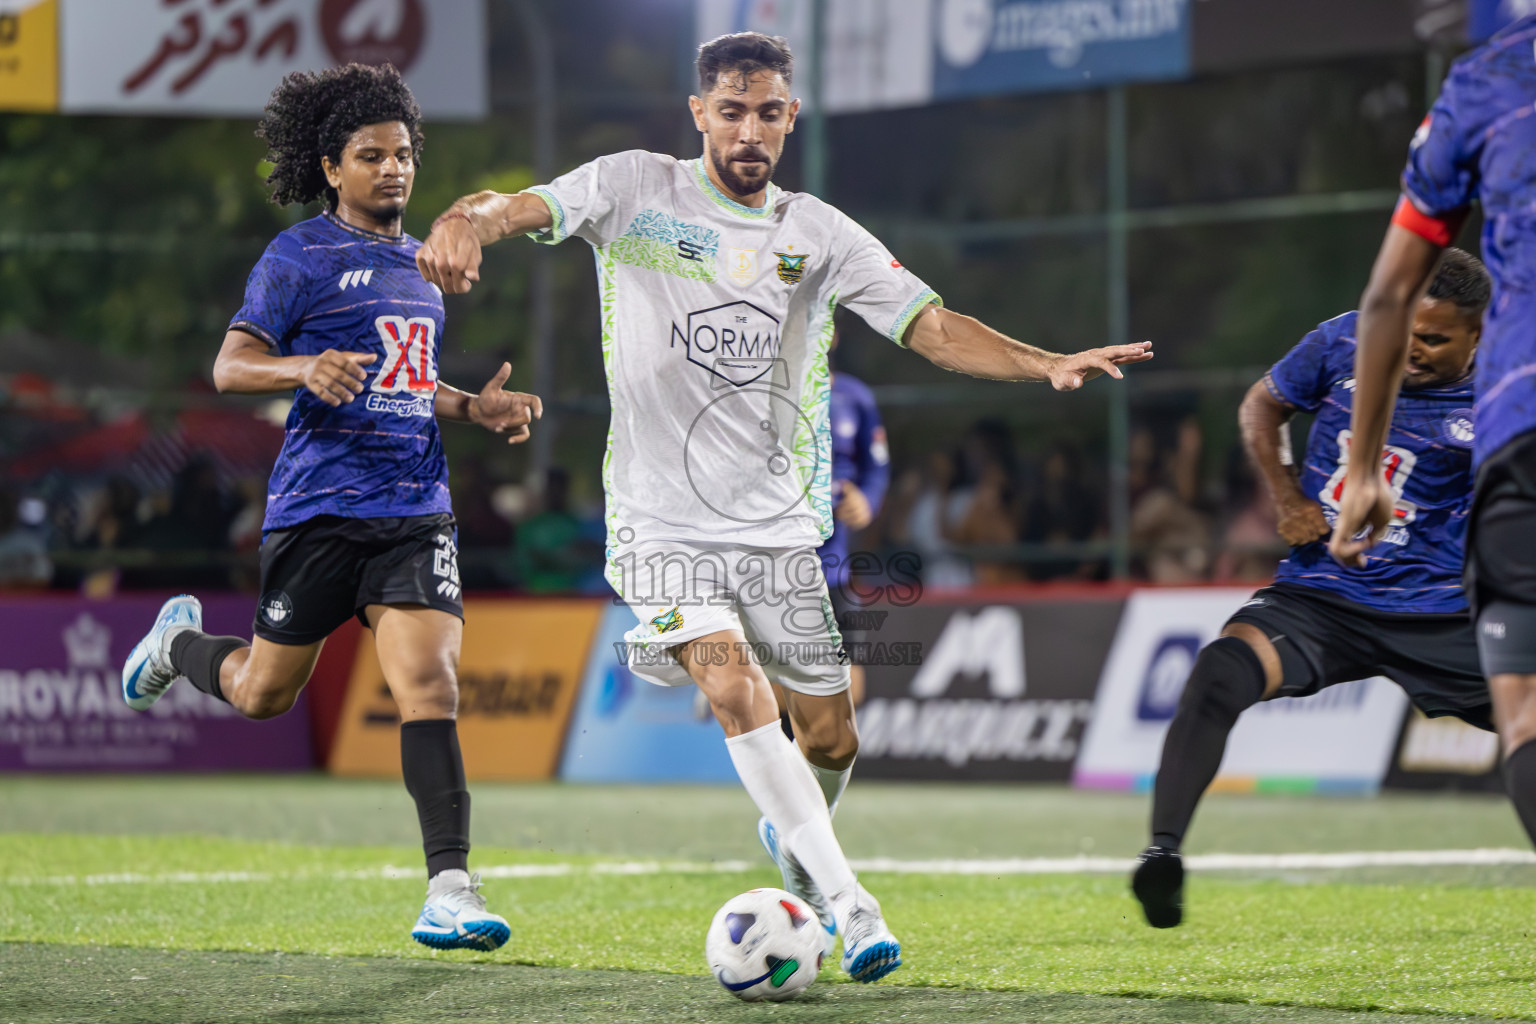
(725, 202)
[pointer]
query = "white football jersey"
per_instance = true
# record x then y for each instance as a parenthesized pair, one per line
(716, 322)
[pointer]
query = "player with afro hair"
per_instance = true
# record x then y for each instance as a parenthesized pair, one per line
(359, 519)
(313, 114)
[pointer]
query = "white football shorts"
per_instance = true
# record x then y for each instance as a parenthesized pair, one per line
(776, 598)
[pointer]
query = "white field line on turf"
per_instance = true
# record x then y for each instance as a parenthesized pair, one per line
(1018, 866)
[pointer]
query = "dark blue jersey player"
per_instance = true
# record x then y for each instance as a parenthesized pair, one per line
(1401, 613)
(1478, 144)
(358, 518)
(861, 472)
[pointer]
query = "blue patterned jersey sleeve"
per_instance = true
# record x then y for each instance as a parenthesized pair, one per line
(275, 294)
(1441, 177)
(1301, 378)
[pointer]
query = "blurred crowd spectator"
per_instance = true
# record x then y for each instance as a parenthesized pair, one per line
(980, 511)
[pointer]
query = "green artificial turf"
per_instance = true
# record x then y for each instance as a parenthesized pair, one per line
(72, 984)
(1304, 946)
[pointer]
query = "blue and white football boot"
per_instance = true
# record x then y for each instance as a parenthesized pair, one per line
(455, 917)
(798, 881)
(870, 951)
(147, 673)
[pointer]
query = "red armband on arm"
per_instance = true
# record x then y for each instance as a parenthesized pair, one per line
(1439, 231)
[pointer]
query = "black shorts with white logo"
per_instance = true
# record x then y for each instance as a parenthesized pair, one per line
(1501, 531)
(1324, 640)
(316, 575)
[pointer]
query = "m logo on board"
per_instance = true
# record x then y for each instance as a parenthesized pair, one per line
(987, 643)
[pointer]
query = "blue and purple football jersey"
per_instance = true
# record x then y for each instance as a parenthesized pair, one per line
(1479, 143)
(324, 285)
(859, 455)
(1427, 459)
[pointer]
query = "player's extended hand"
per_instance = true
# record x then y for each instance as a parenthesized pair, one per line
(1364, 512)
(450, 257)
(337, 377)
(1069, 372)
(1301, 521)
(852, 506)
(505, 412)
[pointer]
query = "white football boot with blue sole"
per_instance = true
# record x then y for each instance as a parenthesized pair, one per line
(148, 673)
(455, 917)
(870, 951)
(798, 881)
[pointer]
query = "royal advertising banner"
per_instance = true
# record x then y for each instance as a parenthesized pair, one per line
(628, 730)
(1339, 740)
(61, 701)
(224, 57)
(972, 691)
(518, 675)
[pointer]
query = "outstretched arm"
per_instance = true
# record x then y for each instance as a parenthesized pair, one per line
(966, 345)
(1264, 420)
(450, 257)
(1403, 270)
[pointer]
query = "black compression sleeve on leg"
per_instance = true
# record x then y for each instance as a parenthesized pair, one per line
(199, 657)
(434, 776)
(1227, 679)
(1520, 781)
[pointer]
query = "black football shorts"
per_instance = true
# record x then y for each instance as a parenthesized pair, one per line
(1324, 640)
(315, 575)
(1501, 531)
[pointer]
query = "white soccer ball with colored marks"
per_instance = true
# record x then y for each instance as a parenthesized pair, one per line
(764, 944)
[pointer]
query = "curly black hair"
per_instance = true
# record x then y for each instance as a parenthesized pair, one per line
(313, 114)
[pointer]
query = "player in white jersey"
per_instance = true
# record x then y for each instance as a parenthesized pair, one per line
(717, 292)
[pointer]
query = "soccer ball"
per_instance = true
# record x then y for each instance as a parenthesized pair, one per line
(764, 944)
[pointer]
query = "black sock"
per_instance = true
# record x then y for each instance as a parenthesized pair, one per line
(1520, 781)
(434, 776)
(1227, 679)
(198, 656)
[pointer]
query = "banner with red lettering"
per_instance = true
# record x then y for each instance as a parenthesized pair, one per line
(61, 700)
(224, 57)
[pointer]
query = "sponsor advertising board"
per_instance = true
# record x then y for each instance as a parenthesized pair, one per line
(61, 701)
(628, 730)
(518, 675)
(224, 57)
(998, 691)
(898, 53)
(1444, 753)
(29, 55)
(1340, 740)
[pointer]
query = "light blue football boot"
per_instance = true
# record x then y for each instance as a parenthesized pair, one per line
(870, 951)
(455, 917)
(148, 673)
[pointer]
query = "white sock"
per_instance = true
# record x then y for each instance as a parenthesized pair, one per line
(832, 782)
(779, 781)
